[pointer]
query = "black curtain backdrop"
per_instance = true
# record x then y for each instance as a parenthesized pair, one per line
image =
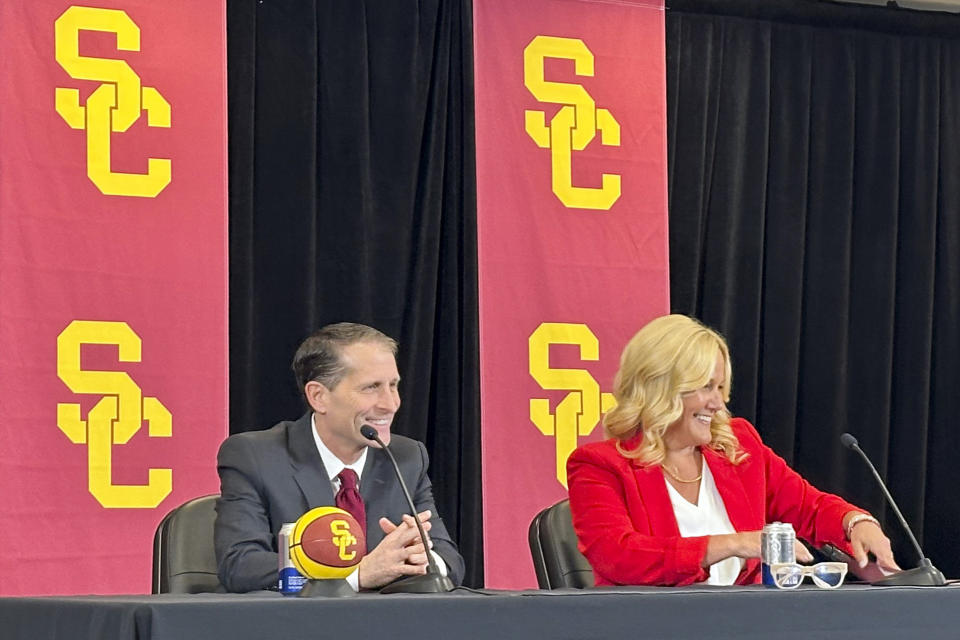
(814, 190)
(352, 197)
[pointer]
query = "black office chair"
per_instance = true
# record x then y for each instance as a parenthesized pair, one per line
(553, 545)
(183, 557)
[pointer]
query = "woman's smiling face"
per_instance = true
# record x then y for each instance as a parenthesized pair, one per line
(699, 407)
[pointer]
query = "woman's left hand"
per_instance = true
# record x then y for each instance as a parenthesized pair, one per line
(867, 536)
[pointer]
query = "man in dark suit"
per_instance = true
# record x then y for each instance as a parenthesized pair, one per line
(348, 373)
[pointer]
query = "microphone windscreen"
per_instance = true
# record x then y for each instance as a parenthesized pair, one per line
(368, 432)
(848, 441)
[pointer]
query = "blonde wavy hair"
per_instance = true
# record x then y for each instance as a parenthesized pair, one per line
(669, 356)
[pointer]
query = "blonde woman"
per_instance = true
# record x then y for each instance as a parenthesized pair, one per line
(679, 491)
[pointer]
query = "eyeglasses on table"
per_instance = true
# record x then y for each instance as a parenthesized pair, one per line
(826, 575)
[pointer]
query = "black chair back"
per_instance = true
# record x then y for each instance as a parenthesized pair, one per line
(183, 556)
(553, 545)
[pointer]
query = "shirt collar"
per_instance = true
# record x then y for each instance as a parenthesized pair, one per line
(332, 463)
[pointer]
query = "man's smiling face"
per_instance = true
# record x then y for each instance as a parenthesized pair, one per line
(367, 394)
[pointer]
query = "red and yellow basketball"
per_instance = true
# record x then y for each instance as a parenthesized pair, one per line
(327, 543)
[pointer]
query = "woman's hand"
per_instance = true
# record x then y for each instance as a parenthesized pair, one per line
(803, 554)
(867, 536)
(745, 544)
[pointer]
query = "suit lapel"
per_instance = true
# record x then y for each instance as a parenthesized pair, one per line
(735, 496)
(376, 470)
(307, 466)
(653, 491)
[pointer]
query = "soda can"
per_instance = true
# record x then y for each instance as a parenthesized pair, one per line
(776, 547)
(291, 581)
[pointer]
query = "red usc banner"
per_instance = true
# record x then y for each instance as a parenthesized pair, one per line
(113, 280)
(572, 214)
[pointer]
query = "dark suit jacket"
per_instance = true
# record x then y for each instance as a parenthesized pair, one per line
(628, 531)
(271, 477)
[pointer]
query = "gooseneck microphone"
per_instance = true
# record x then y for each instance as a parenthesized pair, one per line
(432, 581)
(923, 575)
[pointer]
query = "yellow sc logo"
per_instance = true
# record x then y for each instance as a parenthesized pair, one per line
(113, 106)
(579, 411)
(343, 539)
(115, 418)
(574, 126)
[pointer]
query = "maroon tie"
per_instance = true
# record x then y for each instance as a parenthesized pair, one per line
(348, 498)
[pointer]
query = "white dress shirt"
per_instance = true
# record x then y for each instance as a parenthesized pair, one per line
(706, 518)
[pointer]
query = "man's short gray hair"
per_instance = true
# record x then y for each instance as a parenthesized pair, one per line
(318, 359)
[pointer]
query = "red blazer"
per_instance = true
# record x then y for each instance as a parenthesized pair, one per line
(627, 529)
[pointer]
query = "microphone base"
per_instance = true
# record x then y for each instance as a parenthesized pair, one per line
(338, 588)
(427, 583)
(926, 575)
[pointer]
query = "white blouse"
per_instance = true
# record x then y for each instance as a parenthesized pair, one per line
(706, 518)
